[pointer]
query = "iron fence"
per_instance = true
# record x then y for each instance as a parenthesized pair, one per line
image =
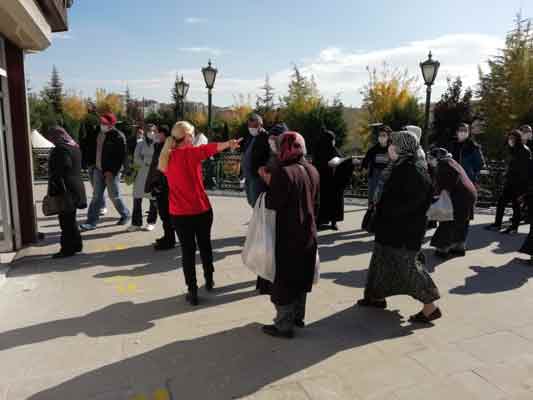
(224, 173)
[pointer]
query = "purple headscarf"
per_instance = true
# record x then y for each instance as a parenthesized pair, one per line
(59, 136)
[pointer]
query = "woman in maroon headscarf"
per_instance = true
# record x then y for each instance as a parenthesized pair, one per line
(64, 179)
(293, 188)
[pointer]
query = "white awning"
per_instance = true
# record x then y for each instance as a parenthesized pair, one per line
(22, 22)
(38, 141)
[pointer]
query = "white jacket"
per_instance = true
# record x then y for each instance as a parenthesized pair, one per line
(142, 159)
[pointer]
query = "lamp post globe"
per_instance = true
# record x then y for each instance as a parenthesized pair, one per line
(210, 75)
(182, 88)
(430, 69)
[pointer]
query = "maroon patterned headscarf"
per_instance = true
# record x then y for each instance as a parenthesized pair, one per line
(58, 136)
(292, 147)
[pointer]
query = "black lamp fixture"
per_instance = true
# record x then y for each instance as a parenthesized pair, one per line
(210, 75)
(430, 69)
(182, 88)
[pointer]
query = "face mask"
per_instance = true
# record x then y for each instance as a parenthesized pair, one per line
(433, 162)
(510, 143)
(392, 153)
(462, 136)
(383, 141)
(104, 128)
(253, 131)
(150, 135)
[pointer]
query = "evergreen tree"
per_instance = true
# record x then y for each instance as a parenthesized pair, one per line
(53, 93)
(506, 90)
(454, 107)
(301, 89)
(265, 103)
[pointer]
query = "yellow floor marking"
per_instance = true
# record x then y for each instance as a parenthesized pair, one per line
(159, 394)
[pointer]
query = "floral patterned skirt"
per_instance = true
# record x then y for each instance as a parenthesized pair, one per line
(395, 272)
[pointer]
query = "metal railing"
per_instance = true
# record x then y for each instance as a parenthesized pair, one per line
(223, 172)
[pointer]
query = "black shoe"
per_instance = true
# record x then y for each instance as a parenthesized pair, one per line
(299, 323)
(334, 227)
(458, 252)
(62, 254)
(441, 254)
(493, 227)
(192, 297)
(511, 230)
(123, 221)
(209, 284)
(271, 330)
(420, 318)
(382, 304)
(163, 246)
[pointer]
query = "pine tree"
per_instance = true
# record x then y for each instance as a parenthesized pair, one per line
(300, 88)
(265, 103)
(506, 90)
(454, 107)
(53, 93)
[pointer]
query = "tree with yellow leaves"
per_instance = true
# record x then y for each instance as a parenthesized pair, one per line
(75, 107)
(109, 102)
(389, 97)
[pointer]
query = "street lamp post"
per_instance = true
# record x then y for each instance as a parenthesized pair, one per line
(182, 88)
(430, 69)
(210, 74)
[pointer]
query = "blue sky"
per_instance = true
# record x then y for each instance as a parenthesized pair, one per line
(114, 43)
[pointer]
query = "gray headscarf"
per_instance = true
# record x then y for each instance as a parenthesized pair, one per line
(407, 147)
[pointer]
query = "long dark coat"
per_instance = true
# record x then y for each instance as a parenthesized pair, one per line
(64, 175)
(293, 193)
(331, 193)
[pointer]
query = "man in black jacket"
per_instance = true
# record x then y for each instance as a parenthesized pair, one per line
(256, 155)
(91, 129)
(111, 155)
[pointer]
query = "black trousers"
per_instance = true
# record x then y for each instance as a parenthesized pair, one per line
(509, 195)
(168, 227)
(70, 233)
(192, 230)
(137, 215)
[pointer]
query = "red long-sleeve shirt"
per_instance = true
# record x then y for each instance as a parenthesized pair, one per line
(187, 194)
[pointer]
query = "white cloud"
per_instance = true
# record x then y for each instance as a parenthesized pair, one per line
(195, 20)
(337, 71)
(62, 36)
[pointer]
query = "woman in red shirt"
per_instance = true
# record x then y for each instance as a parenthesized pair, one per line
(189, 205)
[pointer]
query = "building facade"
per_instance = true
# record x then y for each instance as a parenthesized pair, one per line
(25, 26)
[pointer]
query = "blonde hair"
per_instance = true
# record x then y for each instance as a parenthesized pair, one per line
(179, 131)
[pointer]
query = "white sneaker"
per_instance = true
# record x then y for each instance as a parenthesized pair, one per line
(133, 228)
(103, 211)
(149, 228)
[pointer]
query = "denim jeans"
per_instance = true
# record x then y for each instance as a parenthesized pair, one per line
(90, 172)
(254, 186)
(113, 189)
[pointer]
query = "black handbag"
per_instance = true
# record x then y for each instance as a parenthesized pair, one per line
(368, 221)
(53, 205)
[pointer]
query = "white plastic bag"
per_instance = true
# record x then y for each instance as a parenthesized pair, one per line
(316, 278)
(259, 252)
(442, 209)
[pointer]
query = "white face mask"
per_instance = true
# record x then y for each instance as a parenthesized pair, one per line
(462, 136)
(433, 162)
(510, 143)
(253, 131)
(104, 128)
(392, 153)
(150, 135)
(383, 141)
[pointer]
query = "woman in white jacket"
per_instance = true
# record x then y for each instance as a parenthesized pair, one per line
(142, 159)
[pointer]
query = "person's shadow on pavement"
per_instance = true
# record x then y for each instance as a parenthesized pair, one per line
(237, 362)
(121, 318)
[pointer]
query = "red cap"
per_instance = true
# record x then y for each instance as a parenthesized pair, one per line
(108, 119)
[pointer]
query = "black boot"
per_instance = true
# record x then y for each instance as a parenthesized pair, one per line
(209, 283)
(192, 296)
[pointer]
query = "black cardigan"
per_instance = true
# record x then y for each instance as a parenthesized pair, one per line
(400, 220)
(64, 174)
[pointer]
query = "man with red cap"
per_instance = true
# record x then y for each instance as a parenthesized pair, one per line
(111, 155)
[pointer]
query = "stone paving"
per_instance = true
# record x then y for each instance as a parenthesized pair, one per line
(113, 324)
